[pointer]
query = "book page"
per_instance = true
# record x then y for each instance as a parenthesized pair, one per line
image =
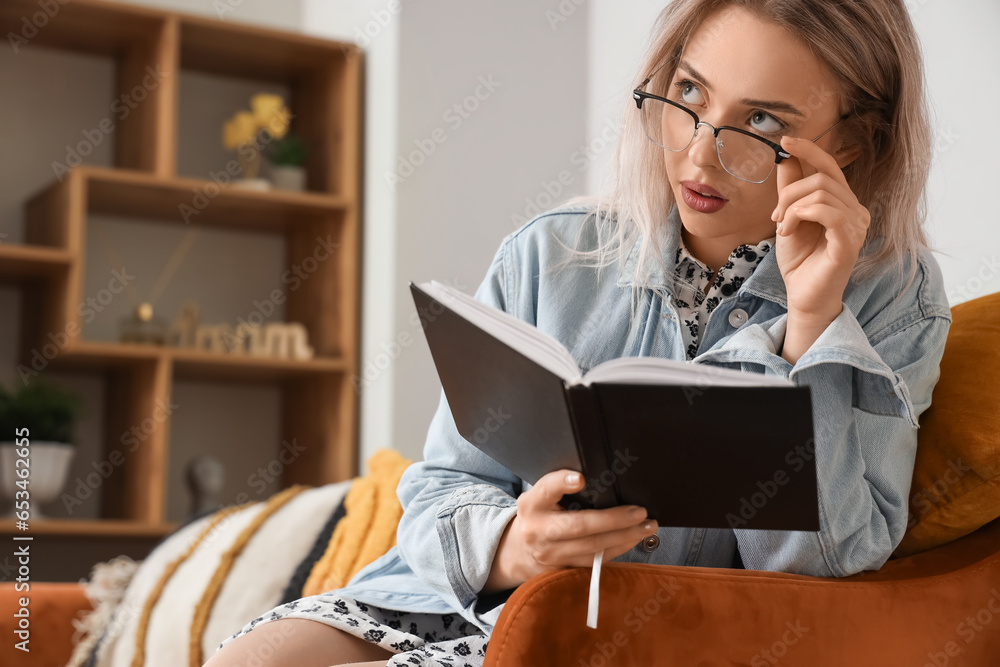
(655, 370)
(538, 346)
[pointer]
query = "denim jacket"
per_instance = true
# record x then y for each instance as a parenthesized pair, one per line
(871, 373)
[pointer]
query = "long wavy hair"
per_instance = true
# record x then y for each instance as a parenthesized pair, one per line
(872, 50)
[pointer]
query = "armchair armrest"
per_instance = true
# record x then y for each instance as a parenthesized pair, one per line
(51, 609)
(940, 607)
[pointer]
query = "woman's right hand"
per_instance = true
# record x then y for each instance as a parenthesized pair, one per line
(544, 536)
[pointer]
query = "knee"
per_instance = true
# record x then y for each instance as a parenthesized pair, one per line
(264, 646)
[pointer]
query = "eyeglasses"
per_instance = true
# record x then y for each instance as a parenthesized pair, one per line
(745, 155)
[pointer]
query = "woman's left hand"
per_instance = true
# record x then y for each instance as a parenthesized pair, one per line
(821, 230)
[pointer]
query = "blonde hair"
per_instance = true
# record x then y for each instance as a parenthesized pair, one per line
(872, 50)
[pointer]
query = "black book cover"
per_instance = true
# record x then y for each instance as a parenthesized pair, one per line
(697, 456)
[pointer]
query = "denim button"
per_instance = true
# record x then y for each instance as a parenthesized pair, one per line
(737, 317)
(650, 543)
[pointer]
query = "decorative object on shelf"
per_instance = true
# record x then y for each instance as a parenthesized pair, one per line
(144, 327)
(205, 476)
(48, 415)
(182, 329)
(285, 158)
(249, 133)
(286, 340)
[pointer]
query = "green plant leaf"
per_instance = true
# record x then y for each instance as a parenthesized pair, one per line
(48, 412)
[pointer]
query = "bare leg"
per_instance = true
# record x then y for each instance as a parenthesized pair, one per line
(297, 642)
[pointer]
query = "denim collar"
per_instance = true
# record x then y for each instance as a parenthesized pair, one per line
(765, 282)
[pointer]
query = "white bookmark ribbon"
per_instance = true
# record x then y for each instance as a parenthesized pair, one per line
(595, 594)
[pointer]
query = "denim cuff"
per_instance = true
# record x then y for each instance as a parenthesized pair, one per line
(878, 389)
(470, 524)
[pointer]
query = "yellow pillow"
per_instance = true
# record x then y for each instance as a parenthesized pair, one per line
(956, 477)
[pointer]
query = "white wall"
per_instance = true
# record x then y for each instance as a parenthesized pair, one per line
(509, 139)
(479, 167)
(370, 24)
(962, 63)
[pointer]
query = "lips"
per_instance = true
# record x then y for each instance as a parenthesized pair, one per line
(702, 198)
(703, 189)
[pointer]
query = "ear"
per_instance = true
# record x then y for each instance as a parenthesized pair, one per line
(845, 155)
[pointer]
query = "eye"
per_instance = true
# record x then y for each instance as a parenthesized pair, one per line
(765, 123)
(689, 92)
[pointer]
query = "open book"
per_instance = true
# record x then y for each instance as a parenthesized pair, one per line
(696, 445)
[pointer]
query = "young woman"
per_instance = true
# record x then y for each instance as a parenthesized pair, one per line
(765, 213)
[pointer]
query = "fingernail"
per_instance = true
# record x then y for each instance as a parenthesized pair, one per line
(648, 525)
(779, 228)
(573, 478)
(791, 140)
(637, 513)
(774, 215)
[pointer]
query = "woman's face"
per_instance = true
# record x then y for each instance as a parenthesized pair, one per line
(739, 71)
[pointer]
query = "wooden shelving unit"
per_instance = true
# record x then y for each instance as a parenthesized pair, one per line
(319, 405)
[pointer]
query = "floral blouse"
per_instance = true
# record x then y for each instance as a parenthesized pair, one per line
(692, 302)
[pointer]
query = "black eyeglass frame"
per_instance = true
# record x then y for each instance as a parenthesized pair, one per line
(779, 153)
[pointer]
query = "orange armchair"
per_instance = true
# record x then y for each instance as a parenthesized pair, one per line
(936, 605)
(940, 607)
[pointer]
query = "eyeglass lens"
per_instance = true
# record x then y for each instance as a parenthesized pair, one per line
(741, 155)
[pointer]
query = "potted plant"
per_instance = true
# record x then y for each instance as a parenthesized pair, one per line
(286, 157)
(252, 132)
(36, 424)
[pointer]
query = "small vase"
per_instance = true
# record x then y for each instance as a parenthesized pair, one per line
(287, 177)
(48, 466)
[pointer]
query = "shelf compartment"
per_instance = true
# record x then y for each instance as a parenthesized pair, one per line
(143, 44)
(314, 71)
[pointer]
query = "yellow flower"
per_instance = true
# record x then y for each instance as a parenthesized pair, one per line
(240, 129)
(269, 111)
(264, 106)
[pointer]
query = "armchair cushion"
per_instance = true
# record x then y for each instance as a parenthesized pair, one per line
(956, 476)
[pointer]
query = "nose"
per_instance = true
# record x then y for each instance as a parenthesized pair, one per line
(702, 150)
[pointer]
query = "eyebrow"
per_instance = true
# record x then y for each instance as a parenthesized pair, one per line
(770, 105)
